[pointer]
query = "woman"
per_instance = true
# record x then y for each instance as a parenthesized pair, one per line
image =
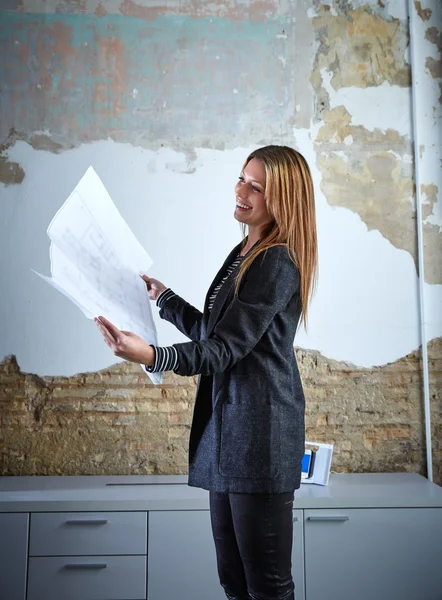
(247, 435)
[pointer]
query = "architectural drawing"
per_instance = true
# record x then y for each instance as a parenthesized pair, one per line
(96, 261)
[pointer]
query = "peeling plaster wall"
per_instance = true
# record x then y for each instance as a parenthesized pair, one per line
(428, 97)
(166, 102)
(133, 79)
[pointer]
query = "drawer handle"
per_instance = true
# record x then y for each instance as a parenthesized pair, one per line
(86, 566)
(295, 519)
(328, 518)
(87, 522)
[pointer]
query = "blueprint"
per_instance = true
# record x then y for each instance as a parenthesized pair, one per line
(96, 261)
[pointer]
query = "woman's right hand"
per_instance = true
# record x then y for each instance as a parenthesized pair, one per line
(154, 287)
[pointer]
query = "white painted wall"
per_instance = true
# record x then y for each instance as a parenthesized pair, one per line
(365, 310)
(366, 307)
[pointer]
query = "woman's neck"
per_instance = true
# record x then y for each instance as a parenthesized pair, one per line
(253, 236)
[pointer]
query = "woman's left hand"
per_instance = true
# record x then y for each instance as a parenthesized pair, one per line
(125, 344)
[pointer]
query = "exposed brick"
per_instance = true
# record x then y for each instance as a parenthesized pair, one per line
(116, 422)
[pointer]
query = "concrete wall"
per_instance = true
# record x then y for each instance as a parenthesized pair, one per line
(166, 101)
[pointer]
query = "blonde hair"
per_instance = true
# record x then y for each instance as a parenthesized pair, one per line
(290, 201)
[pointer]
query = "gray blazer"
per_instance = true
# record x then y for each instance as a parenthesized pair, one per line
(247, 431)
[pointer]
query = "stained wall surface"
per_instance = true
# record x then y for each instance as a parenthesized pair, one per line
(166, 101)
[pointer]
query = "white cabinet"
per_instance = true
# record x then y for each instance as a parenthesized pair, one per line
(181, 558)
(363, 537)
(373, 554)
(13, 555)
(88, 556)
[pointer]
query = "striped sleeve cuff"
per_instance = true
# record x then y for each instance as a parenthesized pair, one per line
(166, 359)
(164, 297)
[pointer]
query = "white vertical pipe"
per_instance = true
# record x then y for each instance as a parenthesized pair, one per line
(420, 242)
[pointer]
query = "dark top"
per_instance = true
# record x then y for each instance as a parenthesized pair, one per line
(247, 431)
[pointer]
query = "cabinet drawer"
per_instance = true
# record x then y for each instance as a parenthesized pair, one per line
(87, 578)
(81, 534)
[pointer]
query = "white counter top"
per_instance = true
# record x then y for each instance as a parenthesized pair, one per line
(170, 492)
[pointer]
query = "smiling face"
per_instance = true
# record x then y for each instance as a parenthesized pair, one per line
(251, 206)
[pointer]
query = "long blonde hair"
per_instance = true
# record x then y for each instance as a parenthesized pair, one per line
(290, 201)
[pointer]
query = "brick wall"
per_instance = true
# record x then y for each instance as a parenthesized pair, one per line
(115, 422)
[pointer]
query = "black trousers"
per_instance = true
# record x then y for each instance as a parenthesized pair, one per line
(253, 536)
